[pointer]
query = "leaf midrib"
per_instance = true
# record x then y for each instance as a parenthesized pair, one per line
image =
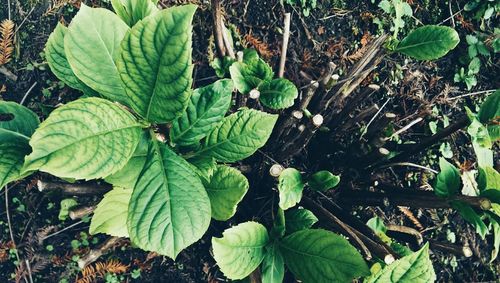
(419, 44)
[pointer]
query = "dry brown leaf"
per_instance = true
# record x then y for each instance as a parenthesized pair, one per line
(6, 41)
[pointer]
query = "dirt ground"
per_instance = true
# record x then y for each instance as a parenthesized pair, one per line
(335, 31)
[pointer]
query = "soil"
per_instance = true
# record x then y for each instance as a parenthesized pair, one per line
(335, 32)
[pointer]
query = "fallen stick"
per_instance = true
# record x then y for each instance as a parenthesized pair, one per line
(93, 255)
(284, 46)
(81, 211)
(219, 40)
(73, 189)
(11, 76)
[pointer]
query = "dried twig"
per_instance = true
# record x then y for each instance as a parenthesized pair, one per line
(284, 46)
(73, 189)
(93, 255)
(218, 31)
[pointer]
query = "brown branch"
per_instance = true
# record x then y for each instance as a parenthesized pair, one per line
(417, 199)
(451, 248)
(81, 211)
(93, 255)
(430, 141)
(218, 31)
(73, 189)
(11, 76)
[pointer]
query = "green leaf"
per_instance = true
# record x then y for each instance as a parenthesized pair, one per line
(278, 93)
(273, 265)
(88, 138)
(206, 108)
(415, 268)
(471, 216)
(204, 167)
(155, 64)
(128, 175)
(299, 219)
(317, 256)
(290, 187)
(13, 148)
(110, 216)
(132, 11)
(169, 208)
(488, 178)
(226, 189)
(241, 249)
(58, 63)
(250, 74)
(429, 42)
(66, 205)
(496, 237)
(490, 112)
(323, 181)
(17, 119)
(91, 44)
(448, 180)
(239, 135)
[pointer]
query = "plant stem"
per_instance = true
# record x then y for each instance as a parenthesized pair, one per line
(73, 189)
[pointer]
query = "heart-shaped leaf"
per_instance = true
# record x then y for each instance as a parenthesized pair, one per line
(250, 74)
(241, 249)
(207, 107)
(91, 45)
(88, 138)
(429, 42)
(226, 189)
(110, 216)
(169, 208)
(155, 64)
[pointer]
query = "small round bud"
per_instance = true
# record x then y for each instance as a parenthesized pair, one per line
(297, 114)
(276, 170)
(254, 93)
(317, 120)
(388, 259)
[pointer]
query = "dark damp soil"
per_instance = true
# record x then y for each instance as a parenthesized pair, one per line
(334, 31)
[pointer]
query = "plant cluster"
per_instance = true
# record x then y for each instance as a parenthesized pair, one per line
(135, 71)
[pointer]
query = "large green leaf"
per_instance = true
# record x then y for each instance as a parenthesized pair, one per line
(448, 180)
(323, 181)
(110, 216)
(132, 11)
(88, 138)
(250, 74)
(204, 166)
(239, 135)
(13, 148)
(415, 268)
(429, 42)
(273, 265)
(299, 219)
(317, 256)
(169, 209)
(18, 119)
(489, 115)
(488, 178)
(58, 63)
(128, 175)
(226, 189)
(278, 93)
(91, 44)
(155, 64)
(206, 108)
(241, 249)
(290, 187)
(471, 216)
